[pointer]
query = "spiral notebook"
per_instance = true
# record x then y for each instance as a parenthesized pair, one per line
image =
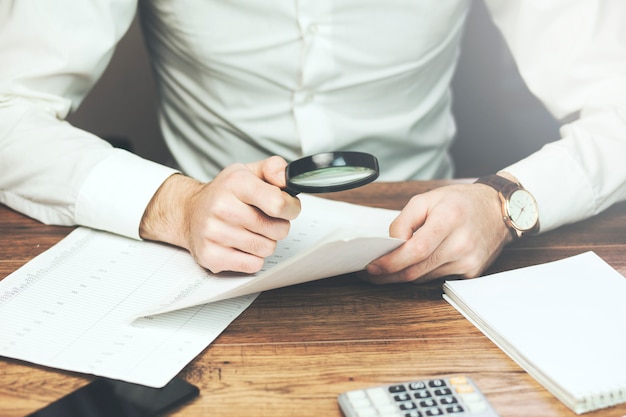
(564, 322)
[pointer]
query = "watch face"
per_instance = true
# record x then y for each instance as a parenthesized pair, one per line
(522, 210)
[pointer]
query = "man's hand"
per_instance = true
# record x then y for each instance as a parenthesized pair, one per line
(455, 230)
(229, 224)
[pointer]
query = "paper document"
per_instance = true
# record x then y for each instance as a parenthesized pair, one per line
(79, 305)
(564, 322)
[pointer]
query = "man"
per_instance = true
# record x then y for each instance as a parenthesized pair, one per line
(242, 80)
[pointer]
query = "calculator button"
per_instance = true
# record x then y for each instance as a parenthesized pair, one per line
(422, 394)
(417, 385)
(458, 380)
(463, 389)
(413, 413)
(402, 397)
(442, 391)
(434, 412)
(447, 400)
(437, 383)
(471, 397)
(388, 410)
(428, 403)
(474, 402)
(361, 403)
(396, 388)
(454, 409)
(379, 396)
(409, 405)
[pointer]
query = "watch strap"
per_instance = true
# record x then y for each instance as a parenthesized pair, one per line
(500, 184)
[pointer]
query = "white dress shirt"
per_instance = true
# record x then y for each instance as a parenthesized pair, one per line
(240, 80)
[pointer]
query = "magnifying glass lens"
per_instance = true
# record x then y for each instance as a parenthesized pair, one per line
(332, 176)
(331, 171)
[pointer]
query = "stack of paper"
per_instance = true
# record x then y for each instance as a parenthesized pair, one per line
(82, 305)
(564, 322)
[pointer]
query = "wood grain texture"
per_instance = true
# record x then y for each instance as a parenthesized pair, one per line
(296, 348)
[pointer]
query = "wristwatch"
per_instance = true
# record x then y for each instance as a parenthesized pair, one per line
(519, 208)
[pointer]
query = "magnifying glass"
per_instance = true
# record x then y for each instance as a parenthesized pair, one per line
(331, 171)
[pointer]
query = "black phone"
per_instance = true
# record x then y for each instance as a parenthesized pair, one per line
(112, 398)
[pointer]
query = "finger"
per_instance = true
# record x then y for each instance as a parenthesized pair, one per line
(267, 196)
(408, 274)
(271, 170)
(420, 241)
(403, 276)
(270, 227)
(229, 246)
(420, 249)
(238, 215)
(410, 219)
(217, 258)
(239, 238)
(456, 256)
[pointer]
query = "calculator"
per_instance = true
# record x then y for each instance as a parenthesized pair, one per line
(455, 396)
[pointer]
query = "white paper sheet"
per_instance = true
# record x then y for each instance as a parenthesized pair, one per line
(75, 306)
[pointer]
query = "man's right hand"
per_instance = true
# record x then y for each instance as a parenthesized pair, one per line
(229, 224)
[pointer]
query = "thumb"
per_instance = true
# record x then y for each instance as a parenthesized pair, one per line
(412, 217)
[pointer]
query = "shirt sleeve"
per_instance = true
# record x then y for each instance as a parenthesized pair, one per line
(572, 55)
(51, 54)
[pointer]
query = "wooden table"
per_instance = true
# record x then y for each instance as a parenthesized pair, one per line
(295, 349)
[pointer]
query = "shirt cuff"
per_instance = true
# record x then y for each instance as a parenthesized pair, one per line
(566, 197)
(117, 192)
